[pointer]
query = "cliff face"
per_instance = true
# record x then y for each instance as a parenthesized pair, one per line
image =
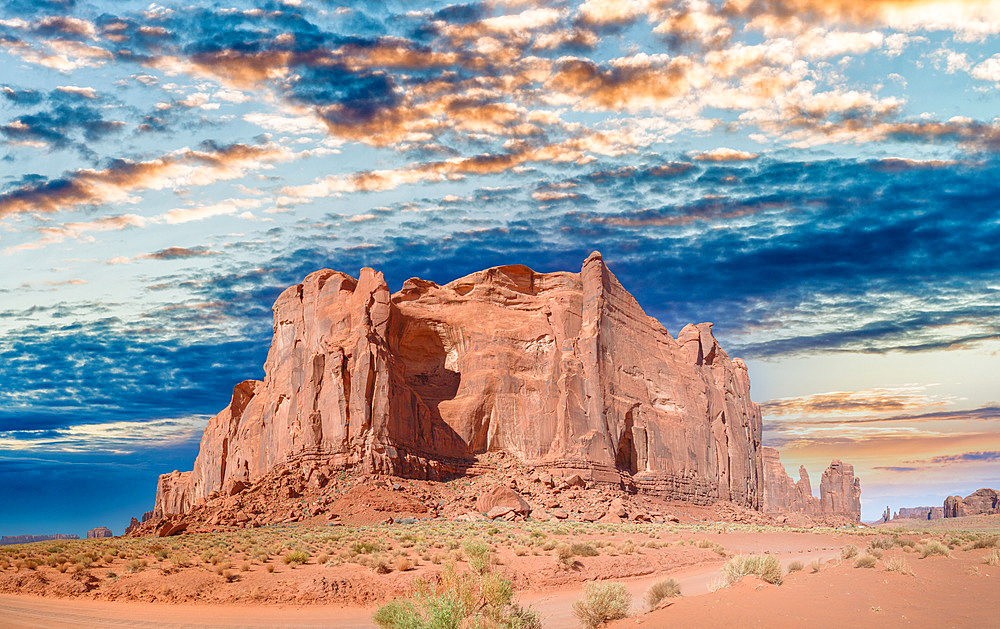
(100, 531)
(981, 502)
(562, 370)
(840, 491)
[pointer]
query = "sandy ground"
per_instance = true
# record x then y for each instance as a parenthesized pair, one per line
(957, 591)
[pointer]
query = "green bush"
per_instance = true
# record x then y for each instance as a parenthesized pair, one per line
(661, 590)
(602, 602)
(767, 567)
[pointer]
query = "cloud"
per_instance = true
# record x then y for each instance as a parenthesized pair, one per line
(117, 437)
(724, 154)
(175, 253)
(116, 183)
(850, 402)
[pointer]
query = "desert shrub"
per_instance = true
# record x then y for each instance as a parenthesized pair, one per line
(704, 543)
(270, 568)
(230, 576)
(602, 602)
(564, 555)
(767, 567)
(991, 541)
(180, 560)
(865, 561)
(365, 548)
(461, 600)
(584, 549)
(848, 551)
(296, 556)
(905, 543)
(897, 564)
(992, 558)
(717, 584)
(478, 553)
(932, 547)
(795, 566)
(322, 559)
(134, 566)
(404, 563)
(661, 590)
(882, 543)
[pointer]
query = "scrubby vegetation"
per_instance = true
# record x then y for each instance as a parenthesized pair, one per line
(767, 567)
(661, 590)
(929, 547)
(602, 602)
(462, 599)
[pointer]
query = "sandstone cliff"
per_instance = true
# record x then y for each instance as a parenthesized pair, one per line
(564, 371)
(981, 502)
(840, 491)
(100, 531)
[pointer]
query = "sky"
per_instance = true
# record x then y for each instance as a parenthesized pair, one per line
(819, 178)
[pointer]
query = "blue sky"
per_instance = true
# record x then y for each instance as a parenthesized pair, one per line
(818, 178)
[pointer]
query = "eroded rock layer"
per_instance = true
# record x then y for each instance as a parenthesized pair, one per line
(564, 371)
(840, 491)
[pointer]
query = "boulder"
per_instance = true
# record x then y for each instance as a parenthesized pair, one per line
(500, 496)
(563, 371)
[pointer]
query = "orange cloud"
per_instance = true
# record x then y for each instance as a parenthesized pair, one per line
(116, 183)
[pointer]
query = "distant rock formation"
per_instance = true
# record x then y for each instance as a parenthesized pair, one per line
(28, 539)
(919, 513)
(134, 524)
(100, 531)
(840, 491)
(781, 494)
(562, 370)
(980, 502)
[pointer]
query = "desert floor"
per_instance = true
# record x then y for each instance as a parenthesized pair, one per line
(254, 578)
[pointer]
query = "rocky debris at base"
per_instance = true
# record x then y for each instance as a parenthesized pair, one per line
(286, 496)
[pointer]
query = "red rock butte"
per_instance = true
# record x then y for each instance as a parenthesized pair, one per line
(564, 371)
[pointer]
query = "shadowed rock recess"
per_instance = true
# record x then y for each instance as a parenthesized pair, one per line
(563, 371)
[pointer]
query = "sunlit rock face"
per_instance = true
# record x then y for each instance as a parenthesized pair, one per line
(840, 491)
(562, 370)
